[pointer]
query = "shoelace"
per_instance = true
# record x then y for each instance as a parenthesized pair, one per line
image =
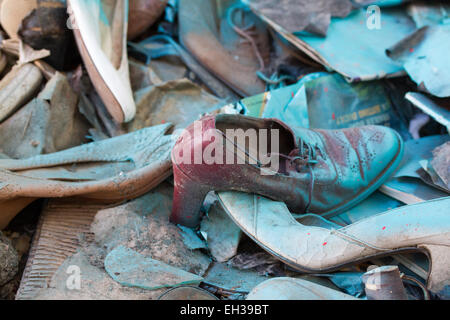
(275, 81)
(307, 156)
(248, 33)
(245, 32)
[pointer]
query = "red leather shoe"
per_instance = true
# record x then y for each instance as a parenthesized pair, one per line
(320, 171)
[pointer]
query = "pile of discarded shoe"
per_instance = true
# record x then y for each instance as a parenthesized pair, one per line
(224, 150)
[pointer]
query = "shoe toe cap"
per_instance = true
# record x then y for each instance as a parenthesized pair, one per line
(384, 150)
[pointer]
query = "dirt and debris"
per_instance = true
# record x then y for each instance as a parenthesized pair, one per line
(9, 260)
(143, 226)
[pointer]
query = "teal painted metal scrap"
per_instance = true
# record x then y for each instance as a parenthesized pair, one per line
(131, 269)
(424, 55)
(357, 51)
(325, 100)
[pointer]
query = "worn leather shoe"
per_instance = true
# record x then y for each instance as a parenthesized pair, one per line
(312, 244)
(320, 171)
(100, 29)
(142, 14)
(232, 47)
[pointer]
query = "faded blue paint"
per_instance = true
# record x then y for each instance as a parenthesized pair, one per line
(191, 239)
(417, 150)
(357, 52)
(334, 103)
(415, 187)
(350, 282)
(429, 14)
(290, 105)
(326, 101)
(424, 55)
(439, 113)
(229, 278)
(373, 205)
(131, 269)
(383, 3)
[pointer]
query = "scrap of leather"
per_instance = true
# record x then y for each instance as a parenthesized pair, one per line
(49, 123)
(118, 168)
(17, 88)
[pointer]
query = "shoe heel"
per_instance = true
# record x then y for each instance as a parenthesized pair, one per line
(188, 199)
(439, 272)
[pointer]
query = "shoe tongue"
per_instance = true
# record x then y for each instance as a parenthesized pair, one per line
(306, 135)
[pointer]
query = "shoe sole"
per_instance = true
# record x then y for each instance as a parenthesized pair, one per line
(102, 89)
(111, 83)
